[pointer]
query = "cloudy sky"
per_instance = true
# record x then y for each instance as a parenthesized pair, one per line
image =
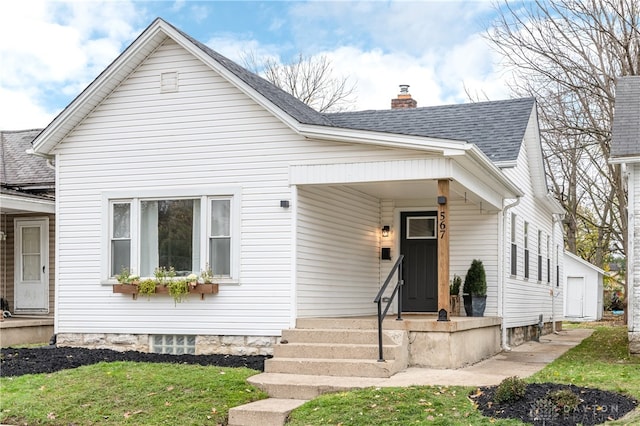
(51, 50)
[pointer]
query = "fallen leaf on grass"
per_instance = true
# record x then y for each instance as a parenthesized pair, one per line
(214, 410)
(51, 416)
(167, 404)
(169, 388)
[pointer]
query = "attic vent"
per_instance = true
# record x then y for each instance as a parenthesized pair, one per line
(168, 82)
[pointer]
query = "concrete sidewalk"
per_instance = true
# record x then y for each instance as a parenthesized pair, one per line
(288, 391)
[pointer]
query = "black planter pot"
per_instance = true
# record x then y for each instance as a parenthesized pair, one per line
(474, 305)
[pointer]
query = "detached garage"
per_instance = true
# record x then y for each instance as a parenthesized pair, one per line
(584, 289)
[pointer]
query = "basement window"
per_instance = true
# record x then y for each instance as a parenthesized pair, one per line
(173, 344)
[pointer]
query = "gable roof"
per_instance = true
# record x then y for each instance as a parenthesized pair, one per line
(19, 169)
(625, 134)
(496, 127)
(297, 109)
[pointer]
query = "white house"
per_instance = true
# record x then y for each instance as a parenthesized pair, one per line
(625, 150)
(584, 289)
(176, 156)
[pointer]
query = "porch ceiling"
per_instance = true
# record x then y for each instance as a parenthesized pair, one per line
(420, 190)
(409, 179)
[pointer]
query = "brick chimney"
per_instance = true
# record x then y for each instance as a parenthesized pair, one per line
(404, 99)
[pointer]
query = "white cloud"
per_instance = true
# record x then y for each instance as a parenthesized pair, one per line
(18, 111)
(52, 49)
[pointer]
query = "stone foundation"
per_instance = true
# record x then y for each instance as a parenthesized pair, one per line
(634, 343)
(205, 345)
(519, 335)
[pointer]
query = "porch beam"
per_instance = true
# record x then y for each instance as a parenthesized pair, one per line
(443, 250)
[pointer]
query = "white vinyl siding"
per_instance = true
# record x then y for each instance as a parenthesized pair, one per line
(524, 299)
(207, 134)
(338, 252)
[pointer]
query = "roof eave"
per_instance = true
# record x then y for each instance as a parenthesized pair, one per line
(625, 160)
(446, 147)
(96, 91)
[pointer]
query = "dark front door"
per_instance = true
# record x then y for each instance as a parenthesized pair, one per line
(419, 244)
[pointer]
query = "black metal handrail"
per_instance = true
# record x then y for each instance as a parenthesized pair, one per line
(396, 290)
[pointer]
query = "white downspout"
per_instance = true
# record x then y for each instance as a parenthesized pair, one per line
(502, 274)
(556, 219)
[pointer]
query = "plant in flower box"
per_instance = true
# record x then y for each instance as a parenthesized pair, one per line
(147, 286)
(206, 276)
(192, 280)
(178, 289)
(124, 277)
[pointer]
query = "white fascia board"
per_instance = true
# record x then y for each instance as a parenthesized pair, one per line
(26, 204)
(584, 262)
(74, 113)
(494, 171)
(552, 204)
(624, 160)
(232, 78)
(446, 147)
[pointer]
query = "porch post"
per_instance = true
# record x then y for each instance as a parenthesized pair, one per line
(443, 250)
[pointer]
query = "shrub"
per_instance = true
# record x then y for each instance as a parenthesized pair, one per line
(564, 399)
(475, 283)
(454, 288)
(510, 389)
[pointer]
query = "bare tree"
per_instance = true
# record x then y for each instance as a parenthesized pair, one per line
(308, 78)
(568, 54)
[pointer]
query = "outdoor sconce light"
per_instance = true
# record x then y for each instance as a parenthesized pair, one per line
(385, 231)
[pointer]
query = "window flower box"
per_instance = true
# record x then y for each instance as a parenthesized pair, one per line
(133, 289)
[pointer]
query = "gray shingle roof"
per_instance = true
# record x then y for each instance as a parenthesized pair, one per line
(496, 127)
(625, 134)
(19, 169)
(283, 100)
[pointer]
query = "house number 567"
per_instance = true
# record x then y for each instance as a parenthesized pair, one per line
(443, 225)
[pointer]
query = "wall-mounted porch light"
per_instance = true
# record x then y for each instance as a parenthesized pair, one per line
(385, 231)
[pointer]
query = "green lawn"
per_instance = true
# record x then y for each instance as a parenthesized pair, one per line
(127, 393)
(156, 394)
(600, 361)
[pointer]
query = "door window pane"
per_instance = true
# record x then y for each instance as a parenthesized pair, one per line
(31, 253)
(421, 227)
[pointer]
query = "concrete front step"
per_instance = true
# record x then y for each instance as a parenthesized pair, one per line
(334, 367)
(266, 412)
(353, 336)
(334, 351)
(297, 386)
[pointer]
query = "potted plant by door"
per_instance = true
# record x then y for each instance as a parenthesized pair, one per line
(454, 294)
(475, 290)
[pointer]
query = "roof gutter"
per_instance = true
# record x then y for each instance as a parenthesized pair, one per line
(50, 158)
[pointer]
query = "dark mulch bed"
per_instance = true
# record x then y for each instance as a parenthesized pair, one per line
(596, 406)
(47, 359)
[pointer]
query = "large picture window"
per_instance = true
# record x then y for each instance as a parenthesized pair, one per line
(188, 234)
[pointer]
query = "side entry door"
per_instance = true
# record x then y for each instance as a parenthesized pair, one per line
(31, 273)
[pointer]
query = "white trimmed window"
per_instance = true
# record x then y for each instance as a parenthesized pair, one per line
(187, 233)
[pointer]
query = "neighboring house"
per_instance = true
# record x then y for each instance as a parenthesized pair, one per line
(27, 239)
(584, 289)
(286, 205)
(625, 150)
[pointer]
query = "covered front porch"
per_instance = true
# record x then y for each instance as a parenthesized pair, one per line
(26, 329)
(354, 220)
